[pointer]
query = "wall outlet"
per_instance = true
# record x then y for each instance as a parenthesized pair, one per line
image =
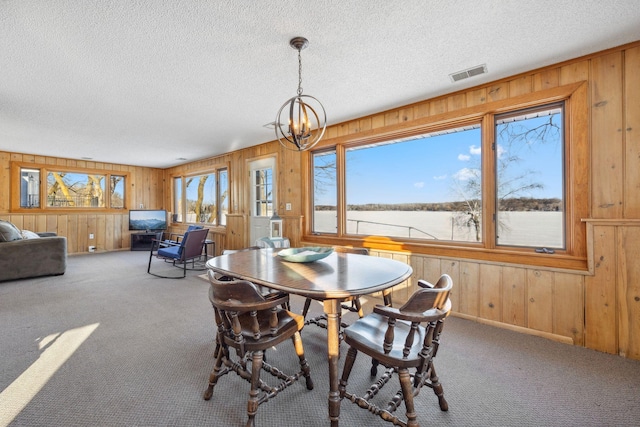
(91, 236)
(287, 207)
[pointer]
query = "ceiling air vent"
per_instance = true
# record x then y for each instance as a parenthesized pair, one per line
(469, 72)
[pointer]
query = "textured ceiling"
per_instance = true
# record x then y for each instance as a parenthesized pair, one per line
(159, 83)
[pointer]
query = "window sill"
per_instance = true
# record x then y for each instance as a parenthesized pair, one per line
(525, 257)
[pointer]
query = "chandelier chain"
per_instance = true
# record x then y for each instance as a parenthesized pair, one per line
(299, 73)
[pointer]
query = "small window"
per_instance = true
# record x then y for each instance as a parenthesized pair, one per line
(177, 199)
(263, 182)
(223, 193)
(530, 178)
(201, 196)
(325, 197)
(117, 191)
(29, 188)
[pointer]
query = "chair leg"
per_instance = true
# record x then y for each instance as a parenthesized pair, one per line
(386, 296)
(253, 403)
(305, 309)
(407, 394)
(374, 367)
(358, 306)
(346, 371)
(304, 366)
(215, 374)
(150, 257)
(437, 389)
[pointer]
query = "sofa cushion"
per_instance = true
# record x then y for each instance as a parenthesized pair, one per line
(9, 232)
(26, 234)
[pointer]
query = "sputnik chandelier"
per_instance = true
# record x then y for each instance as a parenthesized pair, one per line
(301, 121)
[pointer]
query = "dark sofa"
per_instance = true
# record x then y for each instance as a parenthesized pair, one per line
(22, 258)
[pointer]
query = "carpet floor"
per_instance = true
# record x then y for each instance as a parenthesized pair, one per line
(108, 345)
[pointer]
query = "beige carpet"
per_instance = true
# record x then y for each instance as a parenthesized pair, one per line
(109, 345)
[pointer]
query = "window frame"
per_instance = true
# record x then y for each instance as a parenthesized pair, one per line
(576, 153)
(213, 170)
(544, 107)
(45, 169)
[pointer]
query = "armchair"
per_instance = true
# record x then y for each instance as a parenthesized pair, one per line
(176, 237)
(179, 254)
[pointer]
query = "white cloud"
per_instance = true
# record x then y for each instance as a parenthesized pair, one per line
(475, 150)
(418, 184)
(466, 174)
(464, 157)
(440, 178)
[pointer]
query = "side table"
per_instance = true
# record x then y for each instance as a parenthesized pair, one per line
(209, 243)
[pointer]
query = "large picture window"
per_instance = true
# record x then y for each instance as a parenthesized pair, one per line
(423, 187)
(66, 189)
(43, 187)
(495, 181)
(201, 198)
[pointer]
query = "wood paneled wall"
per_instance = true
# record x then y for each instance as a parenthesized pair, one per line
(598, 308)
(110, 230)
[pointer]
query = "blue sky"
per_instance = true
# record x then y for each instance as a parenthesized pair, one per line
(426, 170)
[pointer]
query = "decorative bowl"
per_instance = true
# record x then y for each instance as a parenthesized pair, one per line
(306, 254)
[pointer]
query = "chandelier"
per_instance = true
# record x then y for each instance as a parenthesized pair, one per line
(301, 121)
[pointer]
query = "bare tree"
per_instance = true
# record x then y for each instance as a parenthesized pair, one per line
(512, 180)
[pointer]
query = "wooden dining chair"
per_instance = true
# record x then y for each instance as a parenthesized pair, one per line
(405, 340)
(250, 323)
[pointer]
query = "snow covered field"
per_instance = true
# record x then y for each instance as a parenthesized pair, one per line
(538, 229)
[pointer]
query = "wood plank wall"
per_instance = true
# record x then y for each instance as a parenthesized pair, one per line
(598, 308)
(110, 230)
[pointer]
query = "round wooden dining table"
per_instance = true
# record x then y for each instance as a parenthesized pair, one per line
(330, 280)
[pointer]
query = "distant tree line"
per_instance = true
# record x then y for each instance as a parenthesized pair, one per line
(523, 204)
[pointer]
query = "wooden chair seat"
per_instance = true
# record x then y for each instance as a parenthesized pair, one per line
(405, 341)
(367, 336)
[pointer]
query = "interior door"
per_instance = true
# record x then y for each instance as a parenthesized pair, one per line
(263, 190)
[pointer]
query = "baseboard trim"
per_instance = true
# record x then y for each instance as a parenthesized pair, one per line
(515, 328)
